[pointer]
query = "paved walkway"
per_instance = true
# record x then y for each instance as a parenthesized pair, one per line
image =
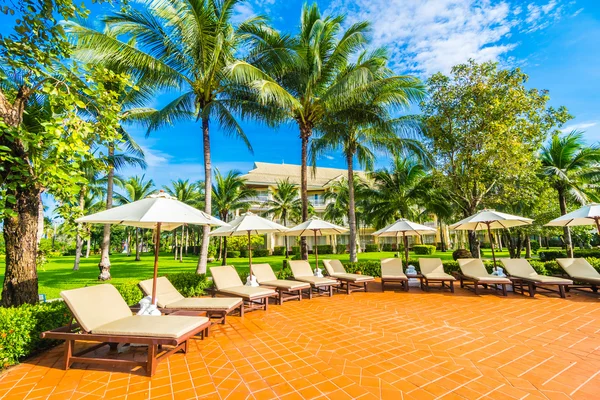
(372, 345)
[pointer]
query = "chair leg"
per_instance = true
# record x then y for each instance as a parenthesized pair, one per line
(462, 283)
(504, 291)
(280, 296)
(452, 286)
(365, 287)
(382, 285)
(151, 362)
(531, 289)
(68, 352)
(561, 289)
(406, 285)
(475, 287)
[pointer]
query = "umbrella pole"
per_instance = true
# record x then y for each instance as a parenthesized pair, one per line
(316, 251)
(405, 246)
(492, 245)
(250, 255)
(156, 249)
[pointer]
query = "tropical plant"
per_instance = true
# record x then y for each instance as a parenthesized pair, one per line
(187, 46)
(285, 205)
(573, 169)
(230, 193)
(188, 193)
(134, 189)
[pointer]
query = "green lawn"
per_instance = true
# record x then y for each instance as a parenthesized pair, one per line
(58, 273)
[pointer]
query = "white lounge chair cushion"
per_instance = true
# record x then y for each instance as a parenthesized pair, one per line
(520, 268)
(166, 326)
(334, 267)
(579, 268)
(473, 268)
(353, 277)
(225, 277)
(431, 265)
(206, 303)
(439, 276)
(300, 268)
(263, 273)
(316, 280)
(165, 291)
(285, 284)
(391, 268)
(248, 292)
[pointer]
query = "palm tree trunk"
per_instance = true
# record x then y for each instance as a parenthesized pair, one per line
(187, 239)
(203, 260)
(175, 243)
(224, 260)
(78, 238)
(442, 238)
(88, 246)
(104, 264)
(285, 238)
(181, 244)
(563, 210)
(351, 206)
(137, 244)
(40, 229)
(305, 133)
(128, 242)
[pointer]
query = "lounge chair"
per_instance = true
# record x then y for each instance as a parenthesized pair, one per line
(301, 271)
(473, 272)
(286, 289)
(581, 272)
(169, 300)
(353, 282)
(391, 272)
(228, 282)
(432, 270)
(522, 272)
(102, 316)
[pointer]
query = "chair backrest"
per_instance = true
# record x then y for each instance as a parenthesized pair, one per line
(263, 273)
(334, 267)
(518, 267)
(472, 267)
(577, 267)
(300, 268)
(165, 291)
(391, 266)
(431, 265)
(225, 277)
(97, 305)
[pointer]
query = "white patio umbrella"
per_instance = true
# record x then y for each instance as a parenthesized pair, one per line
(586, 215)
(315, 226)
(490, 219)
(249, 224)
(157, 211)
(404, 227)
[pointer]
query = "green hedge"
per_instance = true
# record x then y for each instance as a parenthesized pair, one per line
(189, 284)
(461, 253)
(325, 249)
(340, 248)
(550, 255)
(387, 247)
(243, 253)
(295, 249)
(261, 252)
(20, 329)
(535, 245)
(371, 248)
(234, 254)
(424, 249)
(279, 250)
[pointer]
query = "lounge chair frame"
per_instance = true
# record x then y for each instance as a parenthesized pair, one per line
(351, 286)
(580, 283)
(532, 286)
(466, 282)
(74, 332)
(248, 304)
(444, 283)
(402, 281)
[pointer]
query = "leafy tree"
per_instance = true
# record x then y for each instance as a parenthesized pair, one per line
(188, 193)
(187, 47)
(573, 170)
(285, 205)
(230, 193)
(484, 128)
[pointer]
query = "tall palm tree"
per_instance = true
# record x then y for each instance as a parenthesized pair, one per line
(285, 205)
(230, 194)
(188, 193)
(573, 169)
(186, 46)
(310, 78)
(436, 202)
(135, 188)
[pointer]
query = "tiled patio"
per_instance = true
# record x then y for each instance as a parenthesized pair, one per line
(376, 345)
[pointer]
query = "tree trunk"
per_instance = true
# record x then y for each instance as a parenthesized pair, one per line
(175, 245)
(442, 238)
(224, 261)
(104, 264)
(305, 133)
(563, 210)
(474, 244)
(187, 239)
(88, 246)
(40, 228)
(527, 247)
(351, 207)
(203, 260)
(137, 244)
(285, 238)
(20, 237)
(128, 241)
(78, 238)
(181, 244)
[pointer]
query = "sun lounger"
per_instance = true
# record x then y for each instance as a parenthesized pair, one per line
(102, 316)
(169, 300)
(301, 271)
(286, 289)
(521, 272)
(432, 270)
(391, 272)
(353, 282)
(473, 272)
(228, 282)
(581, 272)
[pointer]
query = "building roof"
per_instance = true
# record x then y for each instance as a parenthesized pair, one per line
(269, 174)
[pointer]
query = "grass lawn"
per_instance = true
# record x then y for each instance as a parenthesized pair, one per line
(58, 273)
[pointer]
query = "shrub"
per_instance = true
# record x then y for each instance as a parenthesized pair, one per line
(325, 249)
(540, 267)
(424, 249)
(555, 242)
(371, 248)
(461, 253)
(243, 253)
(233, 254)
(260, 252)
(387, 247)
(340, 248)
(189, 284)
(295, 249)
(279, 250)
(20, 329)
(550, 255)
(586, 253)
(131, 292)
(535, 245)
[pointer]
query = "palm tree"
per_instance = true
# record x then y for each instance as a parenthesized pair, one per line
(310, 78)
(188, 193)
(285, 205)
(135, 188)
(572, 168)
(436, 202)
(230, 194)
(187, 46)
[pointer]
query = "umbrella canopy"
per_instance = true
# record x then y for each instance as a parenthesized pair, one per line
(154, 212)
(586, 215)
(404, 228)
(315, 226)
(490, 219)
(249, 224)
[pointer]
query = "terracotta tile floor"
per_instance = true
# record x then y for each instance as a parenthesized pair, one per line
(390, 345)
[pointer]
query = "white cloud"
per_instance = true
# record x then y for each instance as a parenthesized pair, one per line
(582, 126)
(329, 157)
(427, 36)
(155, 158)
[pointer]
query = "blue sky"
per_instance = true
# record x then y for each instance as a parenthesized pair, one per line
(554, 41)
